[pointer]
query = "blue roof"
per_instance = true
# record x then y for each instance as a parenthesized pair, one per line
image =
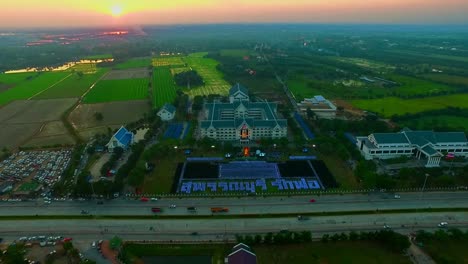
(124, 136)
(319, 98)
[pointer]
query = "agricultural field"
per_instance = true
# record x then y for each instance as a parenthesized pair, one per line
(373, 65)
(206, 68)
(73, 86)
(8, 81)
(446, 78)
(177, 70)
(164, 88)
(114, 115)
(173, 61)
(50, 134)
(87, 68)
(234, 52)
(456, 123)
(136, 73)
(21, 120)
(29, 88)
(117, 90)
(389, 106)
(98, 57)
(134, 63)
(410, 86)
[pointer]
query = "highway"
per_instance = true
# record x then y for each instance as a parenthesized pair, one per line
(245, 205)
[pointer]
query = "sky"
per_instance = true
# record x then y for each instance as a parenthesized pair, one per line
(84, 13)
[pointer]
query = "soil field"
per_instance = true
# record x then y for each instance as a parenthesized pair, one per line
(114, 115)
(134, 63)
(127, 74)
(22, 120)
(174, 61)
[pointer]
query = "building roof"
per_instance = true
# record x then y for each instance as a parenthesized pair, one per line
(124, 136)
(168, 107)
(238, 87)
(242, 255)
(447, 137)
(390, 138)
(429, 150)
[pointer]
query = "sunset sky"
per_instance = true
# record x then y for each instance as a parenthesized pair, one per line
(78, 13)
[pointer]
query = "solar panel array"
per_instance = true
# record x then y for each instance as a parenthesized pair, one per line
(303, 125)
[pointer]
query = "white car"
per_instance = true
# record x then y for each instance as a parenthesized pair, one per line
(397, 196)
(154, 199)
(442, 224)
(172, 206)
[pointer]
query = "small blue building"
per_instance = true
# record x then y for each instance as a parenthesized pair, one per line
(122, 138)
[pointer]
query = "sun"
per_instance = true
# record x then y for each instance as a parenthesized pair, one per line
(116, 11)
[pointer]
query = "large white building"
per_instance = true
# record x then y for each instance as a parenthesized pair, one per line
(427, 145)
(322, 107)
(241, 119)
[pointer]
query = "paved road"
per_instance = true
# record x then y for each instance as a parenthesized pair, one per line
(88, 230)
(246, 205)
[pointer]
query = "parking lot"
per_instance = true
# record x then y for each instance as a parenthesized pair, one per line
(45, 167)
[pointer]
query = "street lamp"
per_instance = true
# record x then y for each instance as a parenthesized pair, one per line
(424, 185)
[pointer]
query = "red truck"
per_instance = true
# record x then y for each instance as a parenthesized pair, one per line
(219, 210)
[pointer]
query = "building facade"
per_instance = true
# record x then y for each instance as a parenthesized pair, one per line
(240, 119)
(427, 145)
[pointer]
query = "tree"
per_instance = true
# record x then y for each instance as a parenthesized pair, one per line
(98, 116)
(115, 242)
(258, 239)
(14, 254)
(268, 239)
(325, 238)
(188, 78)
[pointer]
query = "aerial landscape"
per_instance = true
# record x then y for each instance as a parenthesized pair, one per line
(228, 132)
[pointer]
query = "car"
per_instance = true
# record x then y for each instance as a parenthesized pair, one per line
(219, 209)
(386, 226)
(67, 239)
(194, 233)
(302, 218)
(156, 210)
(84, 212)
(312, 201)
(154, 199)
(442, 224)
(47, 202)
(192, 209)
(397, 196)
(144, 199)
(100, 202)
(172, 206)
(94, 244)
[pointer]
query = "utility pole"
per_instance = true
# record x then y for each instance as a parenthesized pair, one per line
(424, 185)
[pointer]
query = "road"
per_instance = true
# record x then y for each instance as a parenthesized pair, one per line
(245, 205)
(213, 229)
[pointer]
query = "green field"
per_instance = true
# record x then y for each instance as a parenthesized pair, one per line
(429, 122)
(28, 88)
(98, 57)
(173, 61)
(410, 86)
(445, 78)
(164, 89)
(118, 90)
(234, 52)
(317, 252)
(87, 68)
(134, 63)
(206, 68)
(396, 106)
(73, 86)
(15, 78)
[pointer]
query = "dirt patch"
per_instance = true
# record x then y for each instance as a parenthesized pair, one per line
(21, 120)
(96, 168)
(136, 73)
(114, 114)
(34, 111)
(4, 86)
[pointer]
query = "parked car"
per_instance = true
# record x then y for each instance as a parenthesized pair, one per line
(144, 199)
(172, 206)
(442, 224)
(397, 196)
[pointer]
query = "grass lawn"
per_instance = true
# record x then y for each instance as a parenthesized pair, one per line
(134, 63)
(450, 251)
(358, 252)
(446, 78)
(234, 52)
(15, 78)
(28, 88)
(118, 90)
(164, 88)
(28, 186)
(413, 86)
(342, 172)
(429, 122)
(73, 86)
(217, 251)
(173, 61)
(162, 177)
(395, 106)
(206, 68)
